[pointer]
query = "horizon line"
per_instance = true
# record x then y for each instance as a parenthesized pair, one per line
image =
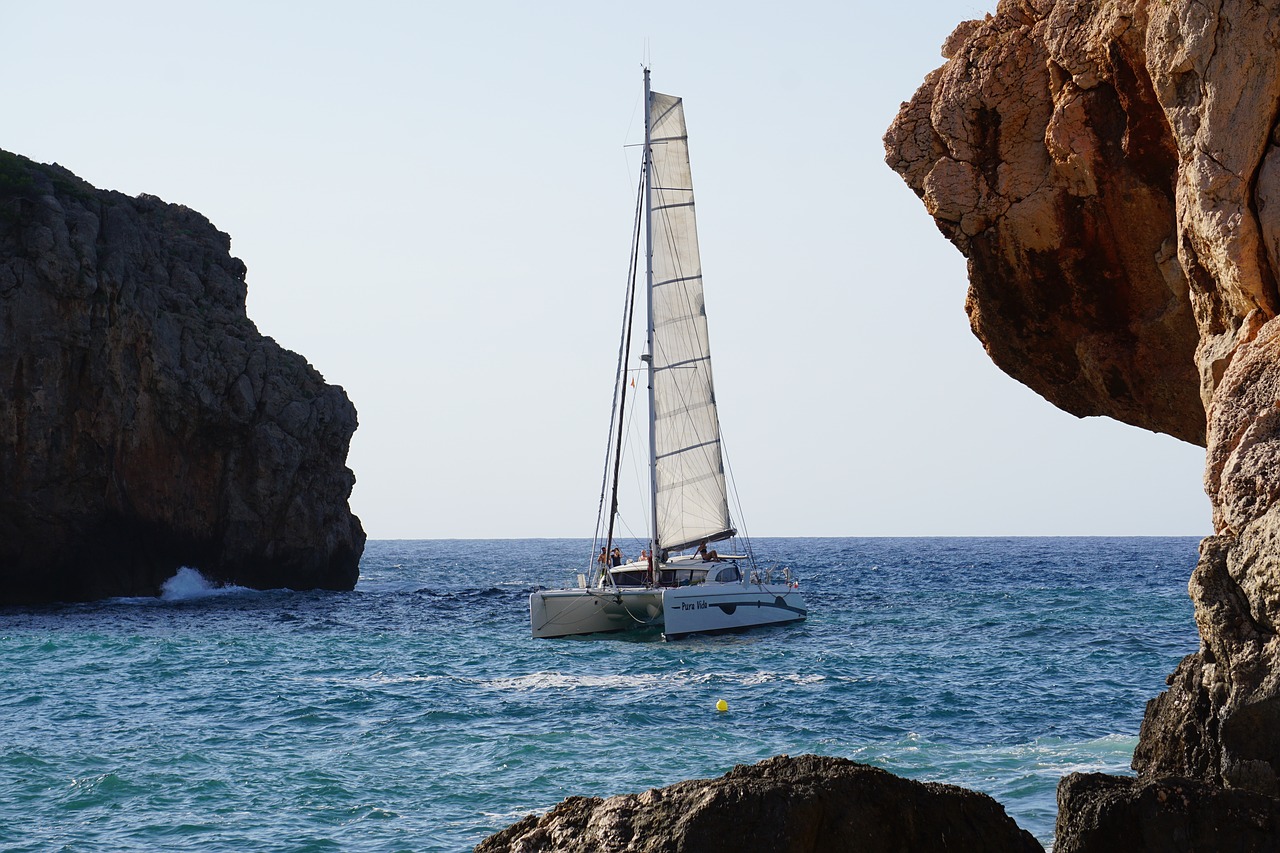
(811, 536)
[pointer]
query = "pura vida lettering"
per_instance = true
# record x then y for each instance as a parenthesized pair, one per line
(693, 605)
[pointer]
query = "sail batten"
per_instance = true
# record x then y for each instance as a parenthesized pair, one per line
(686, 363)
(677, 280)
(691, 498)
(694, 447)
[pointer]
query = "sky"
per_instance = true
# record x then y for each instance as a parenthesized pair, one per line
(434, 203)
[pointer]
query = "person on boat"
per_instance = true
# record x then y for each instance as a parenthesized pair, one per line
(617, 556)
(707, 556)
(603, 559)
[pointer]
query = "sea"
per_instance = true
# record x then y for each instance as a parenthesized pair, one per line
(416, 713)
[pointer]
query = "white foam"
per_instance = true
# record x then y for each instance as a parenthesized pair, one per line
(752, 679)
(384, 678)
(565, 681)
(571, 681)
(189, 584)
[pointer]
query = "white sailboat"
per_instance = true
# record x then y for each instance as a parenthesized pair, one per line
(681, 592)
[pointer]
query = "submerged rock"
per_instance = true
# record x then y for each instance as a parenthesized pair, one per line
(782, 804)
(145, 424)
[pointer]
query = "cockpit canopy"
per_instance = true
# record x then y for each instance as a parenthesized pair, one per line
(669, 575)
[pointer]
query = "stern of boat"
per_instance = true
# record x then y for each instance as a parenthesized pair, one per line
(568, 612)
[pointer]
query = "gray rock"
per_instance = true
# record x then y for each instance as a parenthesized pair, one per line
(145, 424)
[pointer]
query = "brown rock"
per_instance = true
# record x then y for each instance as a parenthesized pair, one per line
(1220, 720)
(1112, 173)
(145, 424)
(781, 804)
(1042, 153)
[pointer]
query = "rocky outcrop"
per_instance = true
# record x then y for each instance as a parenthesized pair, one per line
(1108, 814)
(145, 424)
(1220, 719)
(781, 804)
(1041, 151)
(1111, 170)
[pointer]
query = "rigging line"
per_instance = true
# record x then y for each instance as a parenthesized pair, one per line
(637, 619)
(620, 380)
(629, 443)
(631, 123)
(629, 314)
(742, 518)
(635, 538)
(638, 478)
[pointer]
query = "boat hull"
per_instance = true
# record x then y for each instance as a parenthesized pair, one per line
(566, 612)
(699, 609)
(708, 608)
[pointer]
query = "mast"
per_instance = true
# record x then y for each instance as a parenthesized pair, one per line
(648, 285)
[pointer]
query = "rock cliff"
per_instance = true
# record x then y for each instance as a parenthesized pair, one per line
(782, 804)
(145, 424)
(1111, 171)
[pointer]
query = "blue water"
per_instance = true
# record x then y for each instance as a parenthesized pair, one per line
(415, 713)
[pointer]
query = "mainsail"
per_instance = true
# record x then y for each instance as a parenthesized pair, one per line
(691, 503)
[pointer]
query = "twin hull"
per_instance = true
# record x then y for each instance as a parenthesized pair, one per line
(678, 611)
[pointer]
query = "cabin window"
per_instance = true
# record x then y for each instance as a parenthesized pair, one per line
(729, 573)
(681, 577)
(630, 578)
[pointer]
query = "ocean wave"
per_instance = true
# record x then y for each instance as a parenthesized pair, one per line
(423, 695)
(1047, 758)
(475, 595)
(385, 678)
(188, 584)
(754, 678)
(570, 681)
(513, 816)
(565, 681)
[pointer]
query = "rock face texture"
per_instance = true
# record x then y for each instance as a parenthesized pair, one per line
(1042, 152)
(145, 424)
(1102, 814)
(781, 804)
(1111, 170)
(1220, 719)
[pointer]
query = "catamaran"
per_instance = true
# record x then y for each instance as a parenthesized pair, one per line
(667, 586)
